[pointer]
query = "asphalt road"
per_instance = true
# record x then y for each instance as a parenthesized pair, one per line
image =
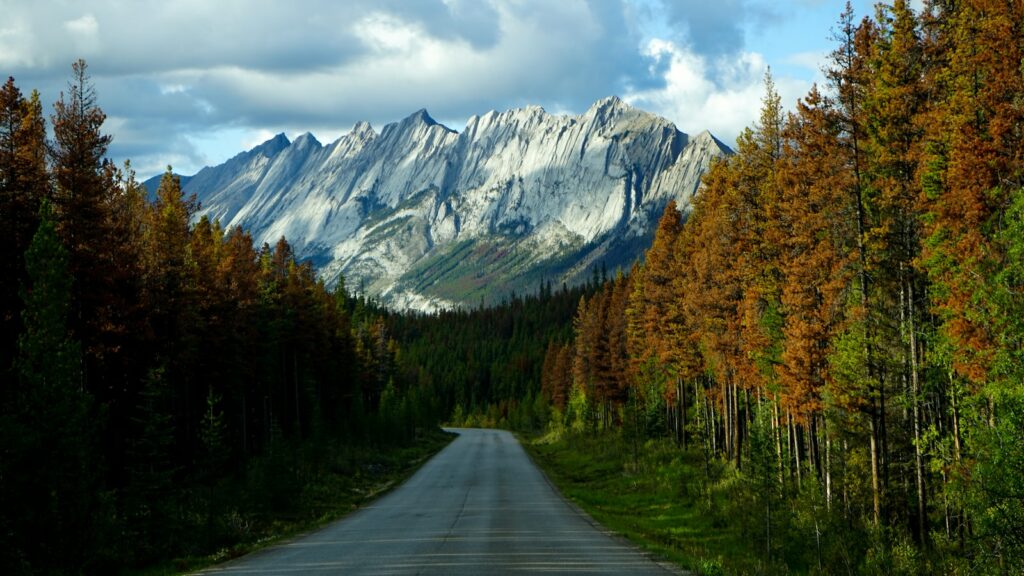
(479, 506)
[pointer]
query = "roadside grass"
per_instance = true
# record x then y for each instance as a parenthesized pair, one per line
(658, 497)
(349, 478)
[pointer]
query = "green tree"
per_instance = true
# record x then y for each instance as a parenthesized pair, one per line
(150, 497)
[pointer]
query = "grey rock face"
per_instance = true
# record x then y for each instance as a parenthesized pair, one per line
(424, 217)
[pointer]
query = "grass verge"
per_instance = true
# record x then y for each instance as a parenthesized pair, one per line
(657, 496)
(349, 478)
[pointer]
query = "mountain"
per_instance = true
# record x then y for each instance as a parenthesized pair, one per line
(424, 217)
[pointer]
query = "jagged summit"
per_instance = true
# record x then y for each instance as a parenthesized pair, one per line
(274, 145)
(421, 116)
(705, 135)
(307, 139)
(610, 103)
(423, 216)
(362, 129)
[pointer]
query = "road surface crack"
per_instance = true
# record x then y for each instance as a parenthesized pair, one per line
(448, 534)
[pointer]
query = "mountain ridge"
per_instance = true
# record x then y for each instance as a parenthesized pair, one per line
(423, 216)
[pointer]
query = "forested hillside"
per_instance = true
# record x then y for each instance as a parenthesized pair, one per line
(168, 389)
(485, 364)
(839, 317)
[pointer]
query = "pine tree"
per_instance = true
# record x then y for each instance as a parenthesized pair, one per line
(893, 102)
(24, 182)
(83, 198)
(849, 76)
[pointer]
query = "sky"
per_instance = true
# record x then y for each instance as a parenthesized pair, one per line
(190, 83)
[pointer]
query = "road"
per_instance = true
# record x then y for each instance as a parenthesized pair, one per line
(480, 506)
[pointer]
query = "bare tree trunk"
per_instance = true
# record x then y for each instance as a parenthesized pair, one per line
(828, 464)
(794, 448)
(798, 452)
(956, 417)
(714, 428)
(812, 446)
(846, 492)
(875, 488)
(883, 435)
(777, 430)
(726, 415)
(915, 389)
(681, 387)
(737, 431)
(945, 508)
(668, 415)
(749, 413)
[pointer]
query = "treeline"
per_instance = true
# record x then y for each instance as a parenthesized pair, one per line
(165, 385)
(840, 316)
(485, 364)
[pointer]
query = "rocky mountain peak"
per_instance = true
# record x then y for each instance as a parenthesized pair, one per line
(608, 107)
(271, 147)
(362, 130)
(306, 140)
(422, 117)
(423, 216)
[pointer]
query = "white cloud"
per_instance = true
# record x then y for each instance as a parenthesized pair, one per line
(384, 33)
(723, 96)
(15, 40)
(166, 89)
(83, 35)
(693, 100)
(84, 26)
(197, 81)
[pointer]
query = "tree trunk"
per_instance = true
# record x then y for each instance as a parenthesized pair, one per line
(737, 432)
(915, 390)
(875, 488)
(794, 448)
(727, 420)
(883, 454)
(828, 464)
(777, 430)
(668, 415)
(846, 492)
(681, 388)
(956, 417)
(713, 431)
